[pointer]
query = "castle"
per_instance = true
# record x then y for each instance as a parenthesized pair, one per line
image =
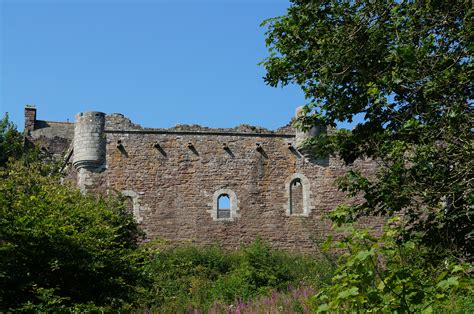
(178, 179)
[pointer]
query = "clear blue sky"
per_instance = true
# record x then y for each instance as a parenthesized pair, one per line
(158, 62)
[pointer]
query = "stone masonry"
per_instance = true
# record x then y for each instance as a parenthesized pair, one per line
(174, 178)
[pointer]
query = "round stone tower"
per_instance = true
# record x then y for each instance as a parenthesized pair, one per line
(89, 146)
(301, 136)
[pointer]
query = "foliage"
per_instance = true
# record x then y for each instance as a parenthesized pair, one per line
(14, 147)
(11, 141)
(405, 67)
(203, 278)
(61, 249)
(381, 274)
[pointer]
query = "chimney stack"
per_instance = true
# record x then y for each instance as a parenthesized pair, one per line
(30, 118)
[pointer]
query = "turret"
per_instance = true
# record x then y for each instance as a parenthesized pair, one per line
(301, 136)
(89, 141)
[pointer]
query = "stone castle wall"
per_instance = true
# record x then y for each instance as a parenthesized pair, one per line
(174, 177)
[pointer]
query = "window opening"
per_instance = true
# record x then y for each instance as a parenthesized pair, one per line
(296, 197)
(223, 206)
(129, 203)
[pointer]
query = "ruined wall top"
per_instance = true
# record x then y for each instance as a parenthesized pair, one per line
(118, 122)
(56, 138)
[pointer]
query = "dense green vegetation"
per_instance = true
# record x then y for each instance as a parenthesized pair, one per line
(384, 274)
(11, 141)
(191, 277)
(59, 246)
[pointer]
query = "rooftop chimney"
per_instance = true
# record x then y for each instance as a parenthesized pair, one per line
(30, 118)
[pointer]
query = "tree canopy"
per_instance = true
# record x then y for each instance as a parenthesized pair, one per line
(405, 67)
(11, 141)
(57, 245)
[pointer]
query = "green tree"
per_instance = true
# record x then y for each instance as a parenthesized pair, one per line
(60, 248)
(11, 141)
(405, 67)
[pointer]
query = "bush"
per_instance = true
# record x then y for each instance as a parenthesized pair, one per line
(60, 248)
(183, 275)
(387, 273)
(192, 277)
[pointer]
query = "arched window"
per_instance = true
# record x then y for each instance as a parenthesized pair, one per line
(129, 203)
(298, 193)
(133, 203)
(223, 206)
(296, 197)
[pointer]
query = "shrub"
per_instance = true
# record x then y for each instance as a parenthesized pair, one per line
(61, 248)
(183, 275)
(199, 278)
(387, 273)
